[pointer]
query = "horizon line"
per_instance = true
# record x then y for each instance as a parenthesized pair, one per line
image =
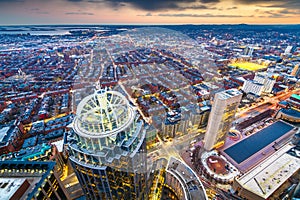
(147, 24)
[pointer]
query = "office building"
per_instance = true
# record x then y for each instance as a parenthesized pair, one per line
(199, 115)
(223, 112)
(151, 139)
(174, 125)
(261, 83)
(251, 86)
(107, 147)
(267, 81)
(30, 180)
(40, 152)
(248, 51)
(171, 124)
(269, 84)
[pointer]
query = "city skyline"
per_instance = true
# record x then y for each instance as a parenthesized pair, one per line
(19, 12)
(144, 112)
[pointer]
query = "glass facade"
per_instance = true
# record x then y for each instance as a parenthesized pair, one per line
(109, 159)
(30, 180)
(227, 118)
(221, 117)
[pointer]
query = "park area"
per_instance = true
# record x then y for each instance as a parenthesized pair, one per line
(248, 66)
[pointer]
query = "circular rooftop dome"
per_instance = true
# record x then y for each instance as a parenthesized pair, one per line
(102, 114)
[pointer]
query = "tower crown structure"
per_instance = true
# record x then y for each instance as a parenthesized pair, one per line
(103, 114)
(107, 147)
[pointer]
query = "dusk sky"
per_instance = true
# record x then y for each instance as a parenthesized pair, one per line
(149, 11)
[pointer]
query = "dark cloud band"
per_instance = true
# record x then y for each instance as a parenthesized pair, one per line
(292, 4)
(153, 5)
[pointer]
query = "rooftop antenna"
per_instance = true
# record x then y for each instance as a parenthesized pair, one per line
(99, 89)
(98, 85)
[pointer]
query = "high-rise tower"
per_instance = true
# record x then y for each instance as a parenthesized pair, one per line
(107, 147)
(248, 51)
(221, 116)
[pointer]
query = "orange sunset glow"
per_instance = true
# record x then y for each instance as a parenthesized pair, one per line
(149, 12)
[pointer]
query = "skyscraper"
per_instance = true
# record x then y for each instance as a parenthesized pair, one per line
(107, 147)
(248, 51)
(222, 114)
(267, 81)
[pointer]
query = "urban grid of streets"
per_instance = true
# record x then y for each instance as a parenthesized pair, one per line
(99, 58)
(177, 147)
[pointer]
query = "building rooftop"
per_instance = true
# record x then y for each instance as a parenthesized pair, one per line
(267, 177)
(256, 82)
(28, 153)
(296, 96)
(228, 94)
(218, 167)
(59, 145)
(33, 172)
(253, 144)
(292, 112)
(7, 133)
(9, 186)
(193, 186)
(3, 133)
(103, 113)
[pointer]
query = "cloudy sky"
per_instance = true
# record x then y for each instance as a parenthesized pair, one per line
(149, 11)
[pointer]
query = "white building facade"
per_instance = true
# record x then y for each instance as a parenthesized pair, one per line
(222, 115)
